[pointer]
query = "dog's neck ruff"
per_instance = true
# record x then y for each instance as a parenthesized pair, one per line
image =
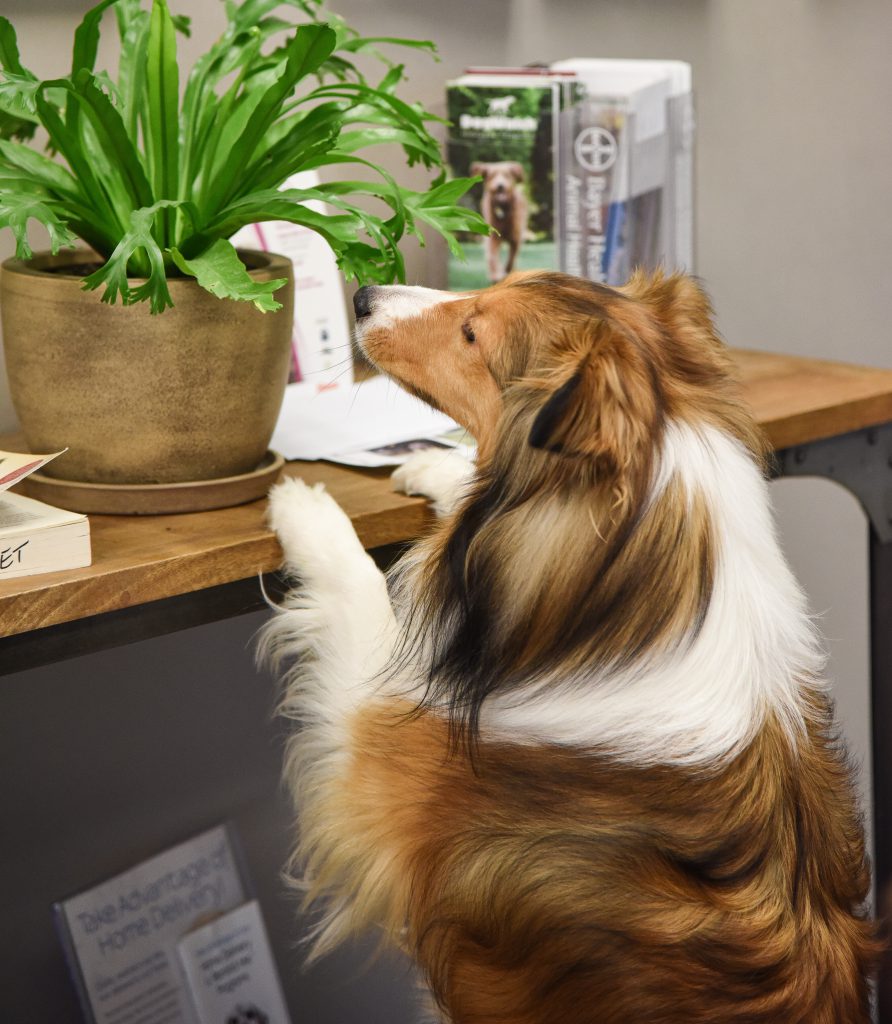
(755, 654)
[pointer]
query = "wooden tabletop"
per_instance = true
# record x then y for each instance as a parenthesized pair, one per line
(139, 559)
(799, 400)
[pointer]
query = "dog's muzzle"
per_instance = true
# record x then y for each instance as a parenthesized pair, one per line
(379, 307)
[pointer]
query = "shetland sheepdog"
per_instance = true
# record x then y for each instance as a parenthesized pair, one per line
(575, 756)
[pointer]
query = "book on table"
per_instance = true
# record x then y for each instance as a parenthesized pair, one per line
(36, 537)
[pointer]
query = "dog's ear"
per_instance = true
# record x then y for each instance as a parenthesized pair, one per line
(676, 300)
(606, 408)
(479, 168)
(518, 172)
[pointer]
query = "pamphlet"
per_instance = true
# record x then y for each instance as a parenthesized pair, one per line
(15, 466)
(230, 971)
(502, 130)
(374, 414)
(321, 354)
(121, 936)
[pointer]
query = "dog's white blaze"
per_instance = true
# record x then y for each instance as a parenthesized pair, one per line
(401, 302)
(756, 649)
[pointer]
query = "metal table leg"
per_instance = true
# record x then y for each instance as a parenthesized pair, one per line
(881, 713)
(862, 463)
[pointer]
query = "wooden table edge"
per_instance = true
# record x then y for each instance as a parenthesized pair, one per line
(61, 598)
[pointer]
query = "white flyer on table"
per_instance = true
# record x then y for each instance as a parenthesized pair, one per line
(375, 413)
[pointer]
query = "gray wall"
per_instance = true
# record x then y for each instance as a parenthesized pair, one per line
(109, 758)
(794, 227)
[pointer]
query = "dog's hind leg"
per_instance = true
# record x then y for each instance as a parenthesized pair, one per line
(438, 474)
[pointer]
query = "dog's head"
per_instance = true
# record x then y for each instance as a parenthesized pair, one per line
(556, 364)
(499, 178)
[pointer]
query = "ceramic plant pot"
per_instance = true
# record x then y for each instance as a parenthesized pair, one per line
(190, 394)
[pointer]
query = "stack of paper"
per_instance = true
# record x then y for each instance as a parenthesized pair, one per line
(373, 423)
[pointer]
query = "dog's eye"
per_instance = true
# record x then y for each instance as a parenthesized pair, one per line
(470, 337)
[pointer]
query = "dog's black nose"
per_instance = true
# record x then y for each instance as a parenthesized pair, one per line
(362, 301)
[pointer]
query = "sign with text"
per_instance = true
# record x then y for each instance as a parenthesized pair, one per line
(121, 936)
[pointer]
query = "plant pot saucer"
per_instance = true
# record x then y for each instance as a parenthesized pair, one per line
(156, 499)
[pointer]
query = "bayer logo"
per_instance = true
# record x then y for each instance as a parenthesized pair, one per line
(595, 149)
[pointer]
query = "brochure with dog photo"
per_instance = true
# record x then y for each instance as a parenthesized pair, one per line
(120, 937)
(503, 131)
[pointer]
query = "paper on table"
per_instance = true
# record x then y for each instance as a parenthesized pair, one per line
(15, 466)
(371, 414)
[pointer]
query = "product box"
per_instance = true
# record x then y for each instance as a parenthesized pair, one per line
(503, 127)
(587, 168)
(625, 191)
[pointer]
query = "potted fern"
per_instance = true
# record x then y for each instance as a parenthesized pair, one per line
(160, 353)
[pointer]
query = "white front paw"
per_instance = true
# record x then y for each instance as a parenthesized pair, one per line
(435, 473)
(315, 533)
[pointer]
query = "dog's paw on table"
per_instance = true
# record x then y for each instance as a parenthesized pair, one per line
(315, 532)
(438, 474)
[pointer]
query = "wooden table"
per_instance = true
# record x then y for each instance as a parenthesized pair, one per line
(138, 559)
(157, 574)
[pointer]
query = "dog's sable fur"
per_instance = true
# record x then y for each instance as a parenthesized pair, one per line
(583, 769)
